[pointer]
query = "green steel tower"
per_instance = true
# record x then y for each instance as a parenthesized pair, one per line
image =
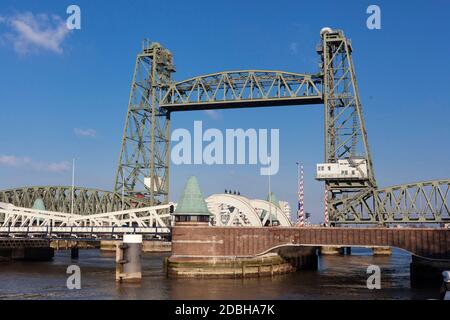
(143, 169)
(345, 133)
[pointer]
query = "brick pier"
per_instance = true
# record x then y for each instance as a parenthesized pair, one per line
(200, 248)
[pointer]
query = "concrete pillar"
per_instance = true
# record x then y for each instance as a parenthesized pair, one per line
(32, 253)
(324, 250)
(128, 258)
(147, 246)
(301, 258)
(382, 251)
(74, 252)
(109, 245)
(5, 254)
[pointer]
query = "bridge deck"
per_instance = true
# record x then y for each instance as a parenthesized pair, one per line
(74, 232)
(249, 242)
(8, 243)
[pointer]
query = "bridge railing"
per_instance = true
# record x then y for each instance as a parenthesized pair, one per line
(147, 217)
(75, 232)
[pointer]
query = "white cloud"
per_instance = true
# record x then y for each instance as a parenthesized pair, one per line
(30, 32)
(58, 167)
(213, 114)
(26, 162)
(91, 133)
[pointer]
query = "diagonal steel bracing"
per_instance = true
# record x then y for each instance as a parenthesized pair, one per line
(243, 88)
(422, 202)
(19, 221)
(143, 169)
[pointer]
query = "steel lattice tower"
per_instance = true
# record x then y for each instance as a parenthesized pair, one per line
(144, 161)
(143, 169)
(345, 133)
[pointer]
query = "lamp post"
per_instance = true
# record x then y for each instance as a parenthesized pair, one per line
(73, 190)
(270, 193)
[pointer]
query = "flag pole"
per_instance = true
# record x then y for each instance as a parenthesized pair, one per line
(301, 196)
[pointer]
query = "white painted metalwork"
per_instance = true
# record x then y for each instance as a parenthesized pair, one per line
(227, 210)
(81, 232)
(280, 214)
(146, 220)
(343, 169)
(234, 210)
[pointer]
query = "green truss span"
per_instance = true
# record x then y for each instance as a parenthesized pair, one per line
(59, 198)
(144, 160)
(421, 202)
(243, 88)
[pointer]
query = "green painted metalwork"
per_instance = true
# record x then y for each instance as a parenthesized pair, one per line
(58, 198)
(243, 88)
(145, 154)
(38, 204)
(422, 202)
(145, 147)
(345, 133)
(145, 143)
(192, 201)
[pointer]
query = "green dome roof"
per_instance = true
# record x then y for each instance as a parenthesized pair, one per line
(272, 198)
(192, 201)
(38, 204)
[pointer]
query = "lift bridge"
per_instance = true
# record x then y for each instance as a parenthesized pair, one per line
(347, 170)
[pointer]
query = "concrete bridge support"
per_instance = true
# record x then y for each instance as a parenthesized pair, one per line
(25, 249)
(74, 252)
(128, 258)
(382, 251)
(200, 248)
(281, 261)
(147, 245)
(326, 250)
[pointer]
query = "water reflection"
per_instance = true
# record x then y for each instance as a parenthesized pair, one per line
(338, 277)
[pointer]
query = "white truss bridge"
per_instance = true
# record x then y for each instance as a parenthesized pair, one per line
(18, 221)
(228, 210)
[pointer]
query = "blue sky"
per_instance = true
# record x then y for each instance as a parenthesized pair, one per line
(67, 95)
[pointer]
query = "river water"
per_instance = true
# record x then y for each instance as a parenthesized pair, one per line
(338, 277)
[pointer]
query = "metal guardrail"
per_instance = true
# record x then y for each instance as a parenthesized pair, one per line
(80, 232)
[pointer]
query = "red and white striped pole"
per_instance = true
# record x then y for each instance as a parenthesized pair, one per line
(326, 206)
(301, 197)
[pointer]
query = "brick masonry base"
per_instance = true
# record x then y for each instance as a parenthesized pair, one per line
(274, 263)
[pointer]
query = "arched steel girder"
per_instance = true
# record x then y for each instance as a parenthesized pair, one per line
(59, 199)
(421, 202)
(269, 207)
(232, 210)
(243, 88)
